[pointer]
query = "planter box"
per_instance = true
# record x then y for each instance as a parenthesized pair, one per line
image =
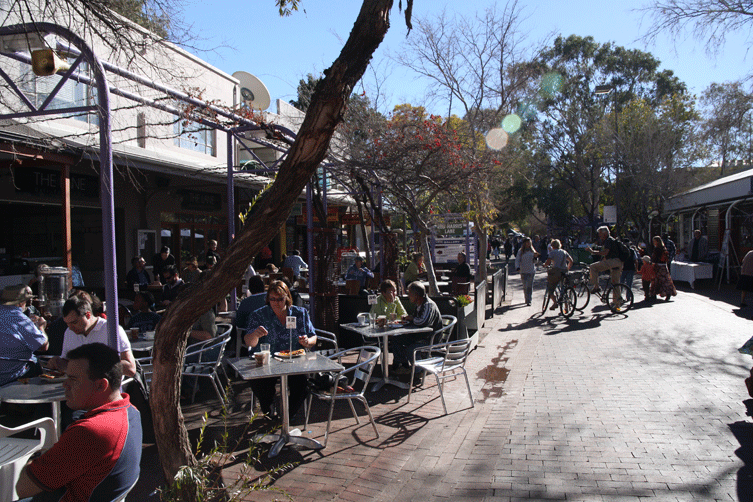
(467, 324)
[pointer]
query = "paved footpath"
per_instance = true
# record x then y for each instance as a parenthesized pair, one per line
(595, 408)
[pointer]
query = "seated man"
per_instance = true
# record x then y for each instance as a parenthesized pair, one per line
(144, 317)
(85, 328)
(427, 314)
(173, 285)
(359, 272)
(295, 262)
(20, 336)
(138, 275)
(256, 300)
(98, 456)
(610, 260)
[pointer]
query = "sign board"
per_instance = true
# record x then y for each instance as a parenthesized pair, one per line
(449, 225)
(610, 214)
(446, 249)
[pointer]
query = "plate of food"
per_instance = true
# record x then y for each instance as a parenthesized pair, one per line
(286, 354)
(397, 324)
(51, 376)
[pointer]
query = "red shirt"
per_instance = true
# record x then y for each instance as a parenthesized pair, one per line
(96, 458)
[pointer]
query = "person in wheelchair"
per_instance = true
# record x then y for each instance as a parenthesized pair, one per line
(610, 260)
(558, 263)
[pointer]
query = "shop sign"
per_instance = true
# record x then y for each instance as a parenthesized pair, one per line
(333, 216)
(449, 225)
(200, 201)
(47, 182)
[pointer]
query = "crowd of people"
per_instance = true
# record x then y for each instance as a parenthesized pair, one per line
(623, 259)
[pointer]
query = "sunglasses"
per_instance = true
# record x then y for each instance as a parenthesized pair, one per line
(277, 299)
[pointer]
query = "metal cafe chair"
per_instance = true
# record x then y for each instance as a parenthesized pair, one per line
(443, 360)
(349, 384)
(203, 360)
(15, 452)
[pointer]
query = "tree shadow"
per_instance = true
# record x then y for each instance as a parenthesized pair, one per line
(743, 432)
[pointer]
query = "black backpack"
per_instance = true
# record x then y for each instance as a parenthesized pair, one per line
(623, 252)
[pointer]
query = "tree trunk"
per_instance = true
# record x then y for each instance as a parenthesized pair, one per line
(269, 213)
(483, 241)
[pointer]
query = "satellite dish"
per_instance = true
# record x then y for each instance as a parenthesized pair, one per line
(253, 91)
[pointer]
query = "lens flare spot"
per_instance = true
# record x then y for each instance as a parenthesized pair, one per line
(511, 123)
(527, 110)
(496, 138)
(551, 84)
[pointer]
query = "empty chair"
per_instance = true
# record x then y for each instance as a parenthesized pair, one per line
(15, 452)
(350, 384)
(203, 360)
(443, 360)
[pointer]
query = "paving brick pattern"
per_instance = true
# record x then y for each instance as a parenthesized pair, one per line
(595, 408)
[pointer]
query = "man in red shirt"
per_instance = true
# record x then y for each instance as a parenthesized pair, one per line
(98, 456)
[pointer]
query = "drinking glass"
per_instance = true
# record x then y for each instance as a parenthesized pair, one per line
(372, 319)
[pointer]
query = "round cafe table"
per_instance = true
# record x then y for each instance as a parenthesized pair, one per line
(36, 391)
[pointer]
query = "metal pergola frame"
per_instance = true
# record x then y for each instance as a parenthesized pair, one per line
(78, 48)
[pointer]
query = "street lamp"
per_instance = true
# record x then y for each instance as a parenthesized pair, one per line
(607, 89)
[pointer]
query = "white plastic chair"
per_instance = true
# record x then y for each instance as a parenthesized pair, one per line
(15, 452)
(203, 360)
(350, 384)
(443, 360)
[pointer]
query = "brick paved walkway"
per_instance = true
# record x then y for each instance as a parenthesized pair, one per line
(598, 407)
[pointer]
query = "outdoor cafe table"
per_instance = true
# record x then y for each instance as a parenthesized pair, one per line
(36, 391)
(385, 333)
(311, 362)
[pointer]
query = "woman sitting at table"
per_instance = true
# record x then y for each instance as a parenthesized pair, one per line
(267, 325)
(387, 301)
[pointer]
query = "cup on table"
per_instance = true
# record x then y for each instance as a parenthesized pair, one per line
(372, 319)
(134, 334)
(393, 316)
(262, 357)
(381, 321)
(149, 335)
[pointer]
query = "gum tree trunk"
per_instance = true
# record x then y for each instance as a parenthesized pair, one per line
(270, 212)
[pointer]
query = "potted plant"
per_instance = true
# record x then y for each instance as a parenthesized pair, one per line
(466, 313)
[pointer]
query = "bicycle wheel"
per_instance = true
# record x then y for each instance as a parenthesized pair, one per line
(545, 304)
(619, 298)
(583, 295)
(568, 300)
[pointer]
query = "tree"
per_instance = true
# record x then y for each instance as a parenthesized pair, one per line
(476, 64)
(418, 162)
(267, 215)
(565, 134)
(724, 128)
(657, 150)
(709, 20)
(305, 91)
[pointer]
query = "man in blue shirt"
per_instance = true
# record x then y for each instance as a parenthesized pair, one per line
(359, 272)
(19, 336)
(295, 262)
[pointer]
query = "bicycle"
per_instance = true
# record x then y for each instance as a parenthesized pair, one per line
(618, 297)
(565, 297)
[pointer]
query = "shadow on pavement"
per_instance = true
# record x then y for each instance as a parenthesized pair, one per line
(743, 432)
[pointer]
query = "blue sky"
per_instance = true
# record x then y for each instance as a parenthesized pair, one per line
(250, 36)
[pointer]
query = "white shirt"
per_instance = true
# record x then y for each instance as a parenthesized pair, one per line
(98, 334)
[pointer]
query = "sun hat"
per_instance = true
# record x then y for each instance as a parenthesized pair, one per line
(13, 295)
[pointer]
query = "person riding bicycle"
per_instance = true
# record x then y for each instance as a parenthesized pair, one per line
(610, 259)
(560, 262)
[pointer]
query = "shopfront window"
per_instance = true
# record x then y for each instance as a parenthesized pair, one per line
(188, 234)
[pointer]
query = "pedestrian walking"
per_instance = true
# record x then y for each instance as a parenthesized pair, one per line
(524, 263)
(662, 284)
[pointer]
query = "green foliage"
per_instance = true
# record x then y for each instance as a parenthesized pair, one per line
(306, 89)
(203, 482)
(464, 300)
(287, 7)
(145, 13)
